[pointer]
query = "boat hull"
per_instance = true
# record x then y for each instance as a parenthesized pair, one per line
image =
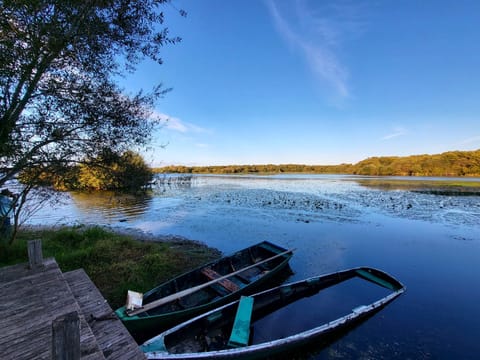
(143, 326)
(167, 344)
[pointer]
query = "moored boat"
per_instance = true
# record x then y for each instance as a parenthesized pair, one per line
(269, 323)
(205, 288)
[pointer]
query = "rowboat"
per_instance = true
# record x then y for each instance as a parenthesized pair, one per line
(281, 319)
(205, 288)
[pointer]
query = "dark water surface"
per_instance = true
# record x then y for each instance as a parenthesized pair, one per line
(430, 242)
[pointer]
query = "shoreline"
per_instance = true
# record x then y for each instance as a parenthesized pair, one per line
(136, 234)
(116, 259)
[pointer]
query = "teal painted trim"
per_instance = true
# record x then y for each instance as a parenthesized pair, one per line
(158, 345)
(376, 279)
(214, 317)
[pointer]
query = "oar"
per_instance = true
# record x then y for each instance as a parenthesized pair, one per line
(189, 291)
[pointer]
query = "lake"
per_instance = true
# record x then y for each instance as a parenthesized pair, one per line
(430, 242)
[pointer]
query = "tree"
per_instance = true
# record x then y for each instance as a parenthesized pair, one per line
(59, 99)
(116, 174)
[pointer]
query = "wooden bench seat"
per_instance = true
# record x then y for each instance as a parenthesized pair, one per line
(241, 326)
(226, 283)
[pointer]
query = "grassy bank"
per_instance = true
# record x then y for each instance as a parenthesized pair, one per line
(115, 262)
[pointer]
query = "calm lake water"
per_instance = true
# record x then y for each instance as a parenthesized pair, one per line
(429, 242)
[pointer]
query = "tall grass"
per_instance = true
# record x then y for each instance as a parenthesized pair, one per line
(114, 262)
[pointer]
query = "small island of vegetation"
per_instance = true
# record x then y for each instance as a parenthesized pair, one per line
(126, 172)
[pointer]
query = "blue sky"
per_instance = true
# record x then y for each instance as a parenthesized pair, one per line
(316, 82)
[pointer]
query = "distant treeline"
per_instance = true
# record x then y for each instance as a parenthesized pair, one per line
(452, 163)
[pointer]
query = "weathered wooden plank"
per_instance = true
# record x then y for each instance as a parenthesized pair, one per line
(14, 272)
(32, 345)
(31, 299)
(35, 255)
(113, 338)
(66, 337)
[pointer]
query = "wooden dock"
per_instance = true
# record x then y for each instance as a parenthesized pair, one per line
(31, 299)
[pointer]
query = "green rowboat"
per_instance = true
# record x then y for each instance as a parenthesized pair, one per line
(205, 288)
(281, 321)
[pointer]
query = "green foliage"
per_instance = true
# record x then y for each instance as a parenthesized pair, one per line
(257, 169)
(114, 262)
(454, 163)
(60, 100)
(126, 172)
(59, 63)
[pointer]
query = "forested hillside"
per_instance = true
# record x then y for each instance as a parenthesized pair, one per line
(452, 163)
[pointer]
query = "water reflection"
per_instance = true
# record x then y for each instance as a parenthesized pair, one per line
(434, 186)
(112, 206)
(430, 242)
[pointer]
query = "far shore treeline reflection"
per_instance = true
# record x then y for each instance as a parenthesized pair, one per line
(452, 163)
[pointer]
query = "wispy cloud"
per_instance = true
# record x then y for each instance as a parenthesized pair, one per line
(396, 133)
(471, 140)
(178, 125)
(317, 34)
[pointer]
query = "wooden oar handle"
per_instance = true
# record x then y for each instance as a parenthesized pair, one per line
(185, 292)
